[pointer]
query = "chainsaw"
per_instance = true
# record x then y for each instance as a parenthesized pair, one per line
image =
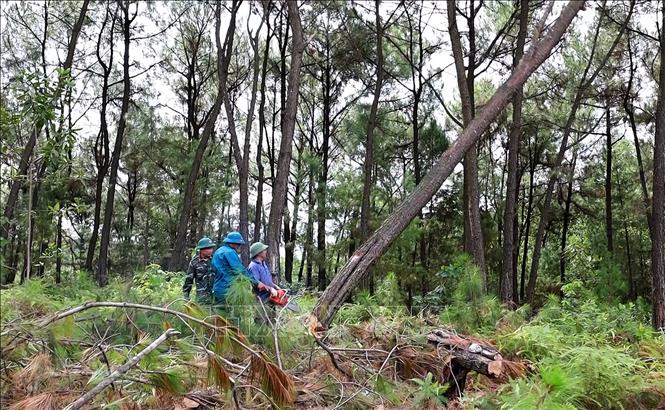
(282, 299)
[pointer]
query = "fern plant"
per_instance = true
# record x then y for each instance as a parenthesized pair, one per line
(430, 392)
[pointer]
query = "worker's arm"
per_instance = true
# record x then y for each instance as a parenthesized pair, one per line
(189, 280)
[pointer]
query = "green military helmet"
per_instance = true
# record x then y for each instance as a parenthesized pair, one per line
(205, 243)
(256, 248)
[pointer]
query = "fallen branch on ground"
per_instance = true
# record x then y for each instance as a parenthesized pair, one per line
(285, 390)
(81, 401)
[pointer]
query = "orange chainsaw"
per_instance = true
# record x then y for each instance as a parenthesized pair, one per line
(282, 299)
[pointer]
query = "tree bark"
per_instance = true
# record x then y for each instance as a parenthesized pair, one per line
(354, 270)
(508, 271)
(223, 60)
(658, 204)
(284, 159)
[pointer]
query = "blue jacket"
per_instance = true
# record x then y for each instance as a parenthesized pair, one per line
(261, 273)
(227, 265)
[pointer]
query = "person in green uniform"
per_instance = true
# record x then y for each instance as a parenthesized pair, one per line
(200, 272)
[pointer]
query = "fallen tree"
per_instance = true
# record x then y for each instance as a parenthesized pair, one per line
(466, 354)
(363, 259)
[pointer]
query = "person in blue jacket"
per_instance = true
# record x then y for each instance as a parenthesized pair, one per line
(227, 266)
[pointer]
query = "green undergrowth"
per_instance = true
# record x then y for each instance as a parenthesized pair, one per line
(584, 354)
(580, 351)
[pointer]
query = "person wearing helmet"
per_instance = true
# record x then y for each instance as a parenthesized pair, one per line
(260, 269)
(199, 272)
(227, 266)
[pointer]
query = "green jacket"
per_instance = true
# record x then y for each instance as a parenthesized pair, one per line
(199, 272)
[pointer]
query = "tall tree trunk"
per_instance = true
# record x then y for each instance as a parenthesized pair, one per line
(259, 149)
(309, 240)
(566, 220)
(629, 256)
(609, 230)
(322, 183)
(28, 245)
(102, 160)
(527, 229)
(363, 259)
(102, 266)
(630, 111)
(371, 125)
(223, 60)
(26, 154)
(658, 204)
(242, 157)
(283, 163)
(58, 249)
(473, 235)
(291, 224)
(508, 271)
(585, 82)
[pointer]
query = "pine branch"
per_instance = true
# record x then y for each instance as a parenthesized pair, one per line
(81, 401)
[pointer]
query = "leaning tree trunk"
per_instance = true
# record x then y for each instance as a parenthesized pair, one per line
(284, 160)
(223, 59)
(658, 205)
(509, 272)
(362, 260)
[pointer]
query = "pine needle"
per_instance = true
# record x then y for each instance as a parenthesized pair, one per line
(277, 384)
(36, 372)
(217, 374)
(44, 401)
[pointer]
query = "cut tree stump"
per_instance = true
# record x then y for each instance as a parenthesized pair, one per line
(467, 354)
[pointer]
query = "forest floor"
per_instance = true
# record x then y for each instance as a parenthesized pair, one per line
(576, 352)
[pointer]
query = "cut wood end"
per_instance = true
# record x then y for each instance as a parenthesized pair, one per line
(495, 367)
(314, 325)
